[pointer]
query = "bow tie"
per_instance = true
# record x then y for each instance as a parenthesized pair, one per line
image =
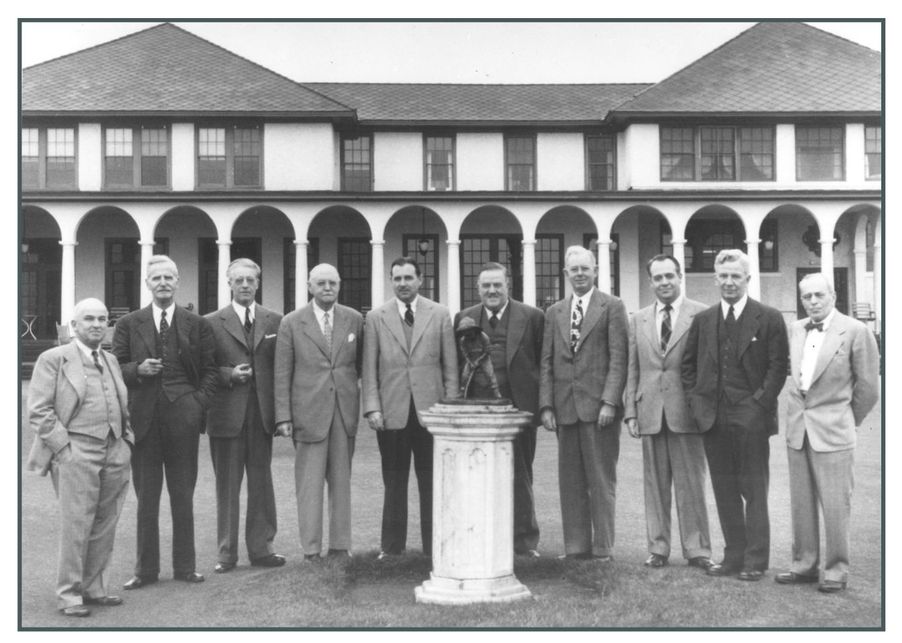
(818, 326)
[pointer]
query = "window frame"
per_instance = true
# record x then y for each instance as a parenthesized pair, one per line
(868, 174)
(229, 142)
(452, 165)
(842, 151)
(589, 165)
(348, 136)
(508, 137)
(137, 157)
(42, 157)
(737, 155)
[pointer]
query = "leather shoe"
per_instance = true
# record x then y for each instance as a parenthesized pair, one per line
(138, 582)
(384, 555)
(702, 562)
(751, 574)
(831, 586)
(338, 553)
(528, 553)
(721, 569)
(656, 560)
(106, 601)
(791, 578)
(76, 610)
(311, 558)
(271, 560)
(189, 577)
(222, 568)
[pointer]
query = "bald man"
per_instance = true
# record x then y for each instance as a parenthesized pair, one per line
(319, 352)
(78, 409)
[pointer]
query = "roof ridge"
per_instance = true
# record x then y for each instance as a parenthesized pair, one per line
(100, 44)
(843, 38)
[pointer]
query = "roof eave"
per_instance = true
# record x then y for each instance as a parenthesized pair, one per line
(655, 116)
(192, 114)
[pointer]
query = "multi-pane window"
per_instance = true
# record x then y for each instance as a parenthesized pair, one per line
(599, 162)
(706, 237)
(819, 153)
(520, 163)
(135, 157)
(427, 260)
(229, 157)
(873, 152)
(355, 267)
(357, 163)
(439, 163)
(154, 156)
(118, 160)
(31, 157)
(717, 153)
(48, 158)
(549, 269)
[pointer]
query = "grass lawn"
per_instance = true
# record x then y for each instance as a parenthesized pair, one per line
(369, 594)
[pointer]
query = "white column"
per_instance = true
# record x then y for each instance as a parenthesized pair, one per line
(224, 295)
(529, 271)
(377, 278)
(751, 247)
(878, 276)
(300, 273)
(67, 278)
(454, 275)
(827, 259)
(604, 265)
(679, 253)
(146, 254)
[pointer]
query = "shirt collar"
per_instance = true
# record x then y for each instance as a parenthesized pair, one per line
(239, 310)
(85, 348)
(738, 307)
(500, 313)
(319, 313)
(402, 307)
(158, 312)
(826, 321)
(675, 306)
(584, 299)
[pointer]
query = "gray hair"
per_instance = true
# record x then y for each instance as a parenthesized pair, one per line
(321, 267)
(579, 250)
(815, 275)
(162, 259)
(732, 254)
(84, 304)
(245, 262)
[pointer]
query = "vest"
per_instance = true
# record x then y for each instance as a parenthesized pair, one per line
(732, 382)
(174, 380)
(99, 413)
(498, 349)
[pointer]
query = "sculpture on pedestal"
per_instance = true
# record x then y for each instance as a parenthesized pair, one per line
(477, 375)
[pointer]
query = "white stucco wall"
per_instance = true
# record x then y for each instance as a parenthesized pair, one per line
(298, 156)
(641, 154)
(182, 156)
(89, 157)
(560, 161)
(480, 161)
(398, 161)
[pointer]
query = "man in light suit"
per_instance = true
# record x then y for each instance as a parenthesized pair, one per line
(515, 331)
(241, 420)
(583, 372)
(834, 385)
(78, 409)
(673, 452)
(318, 360)
(168, 360)
(733, 369)
(409, 364)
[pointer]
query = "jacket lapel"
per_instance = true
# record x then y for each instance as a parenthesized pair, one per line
(339, 331)
(748, 325)
(591, 317)
(421, 321)
(796, 348)
(74, 371)
(233, 325)
(648, 324)
(563, 321)
(313, 331)
(259, 325)
(833, 339)
(516, 326)
(148, 331)
(684, 321)
(393, 321)
(121, 389)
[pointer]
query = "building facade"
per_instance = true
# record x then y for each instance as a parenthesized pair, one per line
(164, 142)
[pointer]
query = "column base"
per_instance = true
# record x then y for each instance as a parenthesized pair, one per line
(454, 591)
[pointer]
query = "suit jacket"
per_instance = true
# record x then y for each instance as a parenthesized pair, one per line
(523, 350)
(55, 394)
(763, 356)
(225, 418)
(654, 386)
(576, 384)
(135, 340)
(393, 373)
(843, 389)
(313, 383)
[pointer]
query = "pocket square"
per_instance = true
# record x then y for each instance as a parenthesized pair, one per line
(269, 336)
(351, 337)
(754, 339)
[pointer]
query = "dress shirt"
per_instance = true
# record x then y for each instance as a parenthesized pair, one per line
(402, 307)
(674, 313)
(170, 312)
(738, 307)
(321, 316)
(87, 351)
(584, 302)
(239, 310)
(499, 314)
(813, 342)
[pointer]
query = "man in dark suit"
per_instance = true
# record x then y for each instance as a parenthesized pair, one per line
(318, 363)
(167, 355)
(673, 451)
(515, 331)
(733, 369)
(78, 409)
(583, 372)
(409, 364)
(241, 421)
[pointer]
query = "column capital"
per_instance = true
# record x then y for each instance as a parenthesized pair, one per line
(220, 242)
(528, 242)
(453, 242)
(67, 243)
(681, 242)
(377, 242)
(145, 242)
(301, 242)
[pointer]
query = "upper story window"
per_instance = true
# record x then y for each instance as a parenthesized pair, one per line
(229, 157)
(600, 168)
(357, 163)
(520, 163)
(439, 163)
(717, 153)
(136, 157)
(48, 158)
(873, 152)
(819, 153)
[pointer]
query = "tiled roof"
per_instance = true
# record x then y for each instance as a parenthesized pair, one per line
(455, 103)
(164, 69)
(772, 67)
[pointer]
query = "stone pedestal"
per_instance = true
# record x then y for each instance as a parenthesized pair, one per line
(472, 506)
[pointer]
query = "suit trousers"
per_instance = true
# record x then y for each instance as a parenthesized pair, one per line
(526, 528)
(587, 471)
(316, 464)
(170, 447)
(251, 449)
(825, 478)
(91, 486)
(738, 455)
(395, 448)
(675, 460)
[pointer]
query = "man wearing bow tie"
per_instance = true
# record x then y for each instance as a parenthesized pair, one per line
(241, 420)
(582, 376)
(733, 369)
(834, 385)
(318, 359)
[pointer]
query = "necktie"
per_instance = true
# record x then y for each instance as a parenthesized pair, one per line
(575, 323)
(493, 320)
(665, 327)
(818, 326)
(164, 332)
(731, 318)
(327, 331)
(248, 324)
(408, 316)
(97, 361)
